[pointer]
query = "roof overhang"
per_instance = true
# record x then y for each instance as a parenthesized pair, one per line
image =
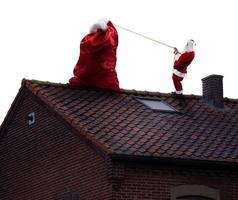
(174, 161)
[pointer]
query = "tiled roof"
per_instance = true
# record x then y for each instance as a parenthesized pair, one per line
(118, 123)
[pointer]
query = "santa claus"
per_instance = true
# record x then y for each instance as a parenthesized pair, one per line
(181, 62)
(97, 59)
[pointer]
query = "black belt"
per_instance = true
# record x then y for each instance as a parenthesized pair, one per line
(180, 68)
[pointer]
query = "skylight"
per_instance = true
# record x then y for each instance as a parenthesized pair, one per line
(156, 104)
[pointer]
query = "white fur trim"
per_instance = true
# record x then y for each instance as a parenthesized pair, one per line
(179, 92)
(101, 24)
(179, 74)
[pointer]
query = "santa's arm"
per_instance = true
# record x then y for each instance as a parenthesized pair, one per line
(176, 54)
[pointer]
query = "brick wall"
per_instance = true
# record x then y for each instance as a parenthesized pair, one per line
(47, 160)
(154, 182)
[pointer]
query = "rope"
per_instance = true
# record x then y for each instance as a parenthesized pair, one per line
(126, 29)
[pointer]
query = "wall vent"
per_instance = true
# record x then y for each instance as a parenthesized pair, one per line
(31, 118)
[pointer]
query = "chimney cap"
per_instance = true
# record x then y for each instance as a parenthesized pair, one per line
(212, 76)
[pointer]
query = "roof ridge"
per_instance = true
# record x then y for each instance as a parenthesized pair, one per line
(158, 94)
(226, 99)
(25, 82)
(47, 83)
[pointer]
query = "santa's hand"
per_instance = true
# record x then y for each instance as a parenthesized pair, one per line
(175, 50)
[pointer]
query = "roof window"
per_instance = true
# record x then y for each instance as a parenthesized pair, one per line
(156, 104)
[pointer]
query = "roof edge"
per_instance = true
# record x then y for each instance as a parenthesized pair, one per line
(174, 161)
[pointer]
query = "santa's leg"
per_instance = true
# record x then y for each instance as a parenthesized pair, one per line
(177, 84)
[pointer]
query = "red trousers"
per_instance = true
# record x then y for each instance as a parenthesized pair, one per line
(177, 82)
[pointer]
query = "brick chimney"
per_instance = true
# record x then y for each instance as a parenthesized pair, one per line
(212, 87)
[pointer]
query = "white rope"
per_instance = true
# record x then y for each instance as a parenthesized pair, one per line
(126, 29)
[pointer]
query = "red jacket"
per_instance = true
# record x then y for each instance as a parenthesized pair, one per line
(184, 61)
(97, 60)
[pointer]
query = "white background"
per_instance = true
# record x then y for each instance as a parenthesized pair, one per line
(39, 39)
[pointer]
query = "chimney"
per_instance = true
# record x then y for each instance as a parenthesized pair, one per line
(212, 87)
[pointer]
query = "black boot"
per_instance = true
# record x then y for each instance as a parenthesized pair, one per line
(176, 94)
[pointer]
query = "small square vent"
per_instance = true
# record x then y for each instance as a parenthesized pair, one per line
(156, 104)
(31, 117)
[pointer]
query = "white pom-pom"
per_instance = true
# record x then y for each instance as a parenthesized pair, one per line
(101, 24)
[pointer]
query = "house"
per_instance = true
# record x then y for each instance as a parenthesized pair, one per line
(59, 142)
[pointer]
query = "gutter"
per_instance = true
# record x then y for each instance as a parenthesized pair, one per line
(174, 161)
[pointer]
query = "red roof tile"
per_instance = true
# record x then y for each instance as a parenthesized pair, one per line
(119, 124)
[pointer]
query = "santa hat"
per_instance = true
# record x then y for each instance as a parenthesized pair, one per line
(100, 24)
(190, 46)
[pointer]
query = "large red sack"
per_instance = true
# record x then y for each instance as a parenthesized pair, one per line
(97, 60)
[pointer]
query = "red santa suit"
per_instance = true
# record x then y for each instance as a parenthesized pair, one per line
(181, 62)
(97, 59)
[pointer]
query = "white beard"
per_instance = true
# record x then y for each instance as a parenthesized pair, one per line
(189, 47)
